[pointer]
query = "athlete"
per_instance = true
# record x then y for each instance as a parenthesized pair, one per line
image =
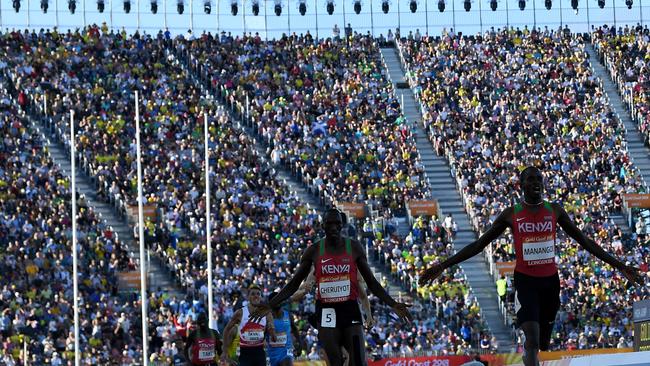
(251, 331)
(203, 344)
(280, 351)
(309, 283)
(533, 223)
(336, 261)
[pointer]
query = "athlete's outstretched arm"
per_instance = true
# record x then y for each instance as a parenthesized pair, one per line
(270, 326)
(301, 273)
(631, 273)
(227, 332)
(500, 224)
(305, 287)
(375, 287)
(365, 303)
(297, 343)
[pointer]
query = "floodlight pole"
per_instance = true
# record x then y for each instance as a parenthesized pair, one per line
(316, 7)
(399, 17)
(344, 22)
(426, 15)
(75, 265)
(480, 15)
(588, 19)
(372, 23)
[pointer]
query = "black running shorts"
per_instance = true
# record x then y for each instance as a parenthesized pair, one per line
(536, 298)
(338, 315)
(252, 356)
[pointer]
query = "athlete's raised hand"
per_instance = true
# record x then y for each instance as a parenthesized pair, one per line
(402, 310)
(430, 274)
(261, 310)
(370, 322)
(632, 274)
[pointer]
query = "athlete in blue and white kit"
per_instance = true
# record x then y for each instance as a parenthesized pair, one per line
(280, 352)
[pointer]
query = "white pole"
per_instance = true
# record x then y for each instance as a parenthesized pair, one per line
(45, 104)
(75, 284)
(208, 235)
(248, 111)
(143, 278)
(24, 350)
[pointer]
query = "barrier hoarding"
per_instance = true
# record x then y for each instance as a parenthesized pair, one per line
(423, 208)
(421, 361)
(640, 200)
(128, 281)
(506, 268)
(553, 358)
(355, 209)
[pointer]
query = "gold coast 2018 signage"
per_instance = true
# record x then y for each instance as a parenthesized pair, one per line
(642, 326)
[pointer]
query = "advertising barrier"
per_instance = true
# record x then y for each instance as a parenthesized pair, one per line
(554, 358)
(148, 211)
(640, 200)
(128, 281)
(309, 363)
(423, 208)
(422, 361)
(356, 210)
(506, 268)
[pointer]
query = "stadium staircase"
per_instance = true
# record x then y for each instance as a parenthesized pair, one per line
(283, 172)
(639, 153)
(158, 276)
(444, 190)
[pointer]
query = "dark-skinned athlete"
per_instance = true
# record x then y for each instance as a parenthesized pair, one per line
(336, 260)
(533, 223)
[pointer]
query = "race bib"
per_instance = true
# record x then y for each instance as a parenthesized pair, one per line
(539, 252)
(334, 289)
(281, 340)
(253, 335)
(328, 318)
(206, 354)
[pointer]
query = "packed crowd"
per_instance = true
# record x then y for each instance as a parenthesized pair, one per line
(258, 227)
(36, 266)
(325, 108)
(449, 299)
(335, 98)
(497, 102)
(625, 52)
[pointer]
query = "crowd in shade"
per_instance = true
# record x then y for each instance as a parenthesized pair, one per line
(626, 53)
(497, 102)
(258, 226)
(36, 266)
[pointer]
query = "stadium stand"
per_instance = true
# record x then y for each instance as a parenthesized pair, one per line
(490, 99)
(36, 265)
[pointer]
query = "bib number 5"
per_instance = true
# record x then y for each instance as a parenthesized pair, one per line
(328, 318)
